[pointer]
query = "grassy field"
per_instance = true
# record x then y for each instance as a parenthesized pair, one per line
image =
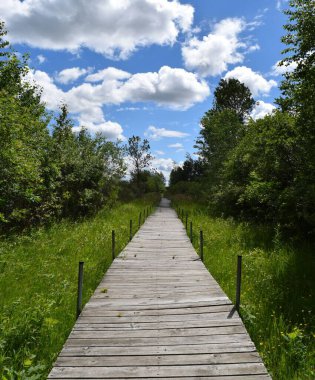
(278, 282)
(38, 285)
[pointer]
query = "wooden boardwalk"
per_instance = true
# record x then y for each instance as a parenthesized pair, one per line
(158, 313)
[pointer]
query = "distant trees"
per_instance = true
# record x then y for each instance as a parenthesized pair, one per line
(143, 179)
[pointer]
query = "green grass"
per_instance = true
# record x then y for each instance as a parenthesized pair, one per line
(277, 299)
(38, 285)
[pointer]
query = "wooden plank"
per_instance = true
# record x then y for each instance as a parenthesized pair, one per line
(155, 360)
(212, 348)
(158, 371)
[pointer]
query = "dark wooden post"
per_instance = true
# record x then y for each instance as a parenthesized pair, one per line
(80, 287)
(186, 221)
(130, 230)
(191, 232)
(201, 245)
(182, 214)
(113, 244)
(238, 283)
(140, 216)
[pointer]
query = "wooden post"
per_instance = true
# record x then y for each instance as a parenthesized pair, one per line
(130, 230)
(186, 221)
(178, 212)
(140, 216)
(182, 214)
(191, 232)
(201, 245)
(80, 287)
(238, 283)
(113, 244)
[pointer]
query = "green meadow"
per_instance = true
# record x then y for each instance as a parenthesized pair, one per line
(277, 297)
(38, 285)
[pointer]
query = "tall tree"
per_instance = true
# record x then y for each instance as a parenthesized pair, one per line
(233, 95)
(298, 96)
(220, 133)
(139, 153)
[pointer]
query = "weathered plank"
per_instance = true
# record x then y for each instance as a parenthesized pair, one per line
(158, 313)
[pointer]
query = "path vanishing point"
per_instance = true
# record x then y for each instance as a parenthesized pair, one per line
(158, 313)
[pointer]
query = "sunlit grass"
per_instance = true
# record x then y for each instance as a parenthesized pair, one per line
(38, 285)
(277, 299)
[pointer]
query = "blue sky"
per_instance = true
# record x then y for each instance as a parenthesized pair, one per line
(148, 67)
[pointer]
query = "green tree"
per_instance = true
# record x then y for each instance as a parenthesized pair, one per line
(220, 133)
(233, 95)
(259, 175)
(140, 156)
(298, 96)
(23, 140)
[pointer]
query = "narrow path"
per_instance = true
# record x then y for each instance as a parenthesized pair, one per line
(158, 313)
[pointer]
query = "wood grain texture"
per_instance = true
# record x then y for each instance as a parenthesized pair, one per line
(158, 313)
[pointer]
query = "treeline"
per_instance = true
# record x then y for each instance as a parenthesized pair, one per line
(261, 170)
(46, 170)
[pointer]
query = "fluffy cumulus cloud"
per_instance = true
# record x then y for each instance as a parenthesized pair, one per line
(253, 80)
(221, 47)
(173, 88)
(164, 165)
(262, 109)
(110, 129)
(89, 111)
(70, 75)
(110, 27)
(278, 69)
(157, 133)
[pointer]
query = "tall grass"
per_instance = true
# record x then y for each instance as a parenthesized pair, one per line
(38, 285)
(277, 299)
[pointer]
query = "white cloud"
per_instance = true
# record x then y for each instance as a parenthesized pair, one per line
(164, 165)
(253, 80)
(160, 152)
(41, 59)
(70, 75)
(213, 54)
(110, 73)
(176, 146)
(278, 69)
(157, 133)
(109, 129)
(174, 88)
(113, 28)
(89, 113)
(262, 109)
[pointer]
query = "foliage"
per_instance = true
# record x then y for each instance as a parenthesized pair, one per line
(233, 95)
(47, 175)
(191, 170)
(277, 298)
(264, 170)
(220, 133)
(38, 284)
(139, 154)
